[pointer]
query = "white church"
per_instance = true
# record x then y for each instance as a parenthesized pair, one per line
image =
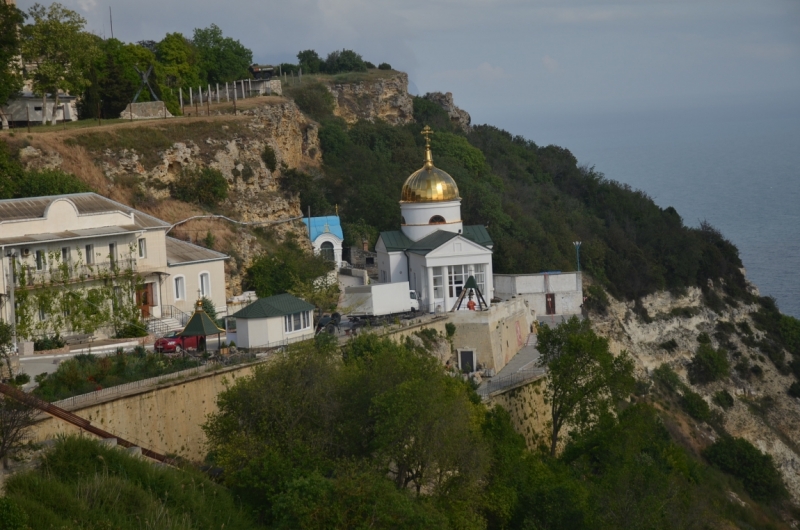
(433, 250)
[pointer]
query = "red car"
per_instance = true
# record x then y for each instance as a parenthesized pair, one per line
(171, 342)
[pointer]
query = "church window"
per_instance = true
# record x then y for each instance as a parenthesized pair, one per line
(326, 250)
(438, 284)
(479, 272)
(437, 220)
(456, 279)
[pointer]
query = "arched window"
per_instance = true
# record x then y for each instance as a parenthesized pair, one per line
(437, 220)
(326, 250)
(402, 220)
(180, 288)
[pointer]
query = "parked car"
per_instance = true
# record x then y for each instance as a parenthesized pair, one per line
(171, 342)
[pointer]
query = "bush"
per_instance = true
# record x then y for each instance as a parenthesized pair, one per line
(794, 390)
(48, 343)
(724, 399)
(450, 328)
(597, 299)
(671, 345)
(667, 377)
(12, 517)
(703, 338)
(708, 365)
(206, 187)
(755, 469)
(269, 158)
(744, 327)
(209, 308)
(132, 330)
(50, 182)
(314, 99)
(695, 406)
(713, 301)
(384, 66)
(22, 379)
(344, 61)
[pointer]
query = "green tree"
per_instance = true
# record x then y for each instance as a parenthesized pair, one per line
(309, 61)
(284, 270)
(708, 365)
(11, 19)
(584, 380)
(755, 469)
(344, 61)
(179, 62)
(60, 51)
(221, 59)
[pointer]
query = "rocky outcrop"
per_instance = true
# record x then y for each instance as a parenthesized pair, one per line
(763, 412)
(235, 147)
(458, 116)
(385, 98)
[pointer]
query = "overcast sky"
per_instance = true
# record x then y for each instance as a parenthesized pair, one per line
(507, 58)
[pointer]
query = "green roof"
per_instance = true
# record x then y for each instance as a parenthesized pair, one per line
(431, 242)
(396, 241)
(200, 325)
(274, 306)
(478, 234)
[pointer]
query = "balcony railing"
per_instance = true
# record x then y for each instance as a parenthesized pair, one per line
(62, 273)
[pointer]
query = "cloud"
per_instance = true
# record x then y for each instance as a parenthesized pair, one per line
(550, 64)
(484, 72)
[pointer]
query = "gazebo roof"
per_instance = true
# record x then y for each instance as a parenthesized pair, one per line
(200, 325)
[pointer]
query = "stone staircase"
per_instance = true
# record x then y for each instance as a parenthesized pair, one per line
(161, 326)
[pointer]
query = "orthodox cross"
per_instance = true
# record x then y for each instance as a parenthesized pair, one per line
(427, 132)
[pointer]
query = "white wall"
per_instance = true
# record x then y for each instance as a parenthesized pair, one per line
(191, 273)
(567, 289)
(337, 246)
(418, 215)
(260, 332)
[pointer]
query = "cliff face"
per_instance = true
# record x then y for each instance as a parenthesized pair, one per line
(458, 116)
(384, 98)
(234, 145)
(763, 413)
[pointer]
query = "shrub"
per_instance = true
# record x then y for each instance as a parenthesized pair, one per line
(755, 469)
(703, 338)
(724, 399)
(450, 328)
(132, 330)
(49, 182)
(743, 368)
(641, 311)
(315, 100)
(744, 327)
(708, 365)
(713, 301)
(209, 308)
(344, 61)
(22, 379)
(206, 187)
(671, 345)
(667, 377)
(12, 517)
(757, 371)
(269, 158)
(684, 312)
(794, 390)
(597, 299)
(384, 66)
(48, 343)
(695, 406)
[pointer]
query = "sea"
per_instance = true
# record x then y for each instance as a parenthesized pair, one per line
(735, 164)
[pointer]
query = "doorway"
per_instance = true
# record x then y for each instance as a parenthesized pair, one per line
(145, 299)
(550, 304)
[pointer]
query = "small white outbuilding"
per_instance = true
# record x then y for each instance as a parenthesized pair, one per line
(274, 321)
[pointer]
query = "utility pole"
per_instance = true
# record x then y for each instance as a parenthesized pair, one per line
(111, 19)
(578, 253)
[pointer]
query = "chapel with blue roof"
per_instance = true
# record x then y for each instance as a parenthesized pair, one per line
(433, 250)
(326, 237)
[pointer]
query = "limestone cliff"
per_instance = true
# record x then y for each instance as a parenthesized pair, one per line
(763, 412)
(384, 98)
(138, 163)
(458, 116)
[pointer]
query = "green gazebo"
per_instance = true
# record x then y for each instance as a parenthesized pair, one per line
(201, 325)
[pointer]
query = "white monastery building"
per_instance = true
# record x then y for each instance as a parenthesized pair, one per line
(433, 250)
(81, 242)
(326, 237)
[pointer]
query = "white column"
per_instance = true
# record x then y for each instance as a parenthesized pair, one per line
(180, 91)
(227, 93)
(217, 92)
(200, 94)
(191, 102)
(429, 294)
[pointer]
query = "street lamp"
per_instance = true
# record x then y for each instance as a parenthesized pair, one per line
(578, 253)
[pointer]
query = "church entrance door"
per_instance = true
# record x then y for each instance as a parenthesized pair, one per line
(550, 303)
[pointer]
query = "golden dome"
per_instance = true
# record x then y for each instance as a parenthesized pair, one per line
(429, 184)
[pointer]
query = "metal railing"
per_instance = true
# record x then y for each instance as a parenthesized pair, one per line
(71, 273)
(499, 384)
(170, 311)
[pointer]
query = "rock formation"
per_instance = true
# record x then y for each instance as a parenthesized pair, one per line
(384, 98)
(457, 116)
